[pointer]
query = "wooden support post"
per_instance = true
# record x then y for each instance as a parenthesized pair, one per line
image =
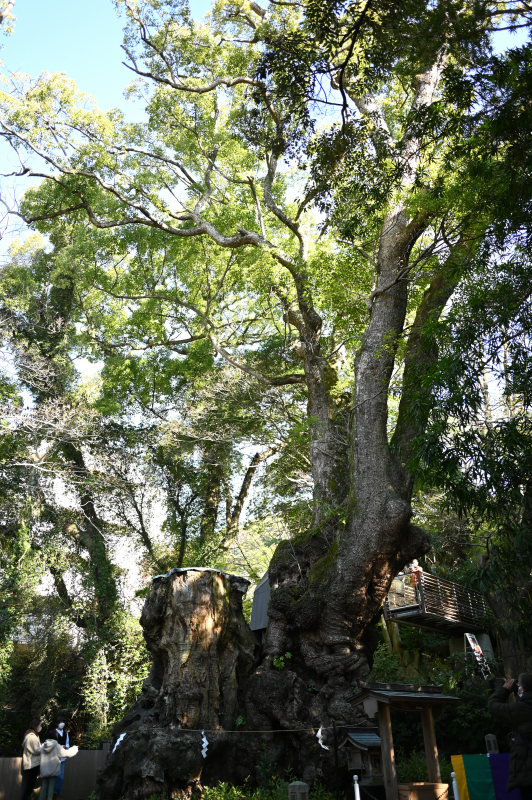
(386, 634)
(431, 748)
(336, 770)
(388, 753)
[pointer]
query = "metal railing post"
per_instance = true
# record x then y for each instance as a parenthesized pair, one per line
(455, 786)
(457, 606)
(421, 590)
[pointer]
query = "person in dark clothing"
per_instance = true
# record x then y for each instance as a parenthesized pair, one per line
(31, 758)
(62, 738)
(519, 716)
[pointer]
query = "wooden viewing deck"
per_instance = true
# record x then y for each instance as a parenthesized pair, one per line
(426, 601)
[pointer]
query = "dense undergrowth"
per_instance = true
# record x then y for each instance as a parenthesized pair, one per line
(275, 789)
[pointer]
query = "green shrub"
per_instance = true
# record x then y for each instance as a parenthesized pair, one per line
(276, 789)
(385, 665)
(413, 768)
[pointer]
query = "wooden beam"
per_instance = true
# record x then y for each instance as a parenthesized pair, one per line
(431, 748)
(388, 752)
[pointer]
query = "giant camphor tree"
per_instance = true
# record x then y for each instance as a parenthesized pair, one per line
(302, 202)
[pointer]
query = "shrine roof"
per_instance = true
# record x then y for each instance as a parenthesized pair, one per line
(364, 737)
(403, 694)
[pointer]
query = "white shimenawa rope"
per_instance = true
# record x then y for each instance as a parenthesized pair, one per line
(205, 742)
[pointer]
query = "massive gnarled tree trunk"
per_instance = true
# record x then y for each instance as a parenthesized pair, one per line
(202, 648)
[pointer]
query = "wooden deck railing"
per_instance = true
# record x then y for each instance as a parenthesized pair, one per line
(436, 597)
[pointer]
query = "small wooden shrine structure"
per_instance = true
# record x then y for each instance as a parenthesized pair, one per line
(380, 698)
(364, 754)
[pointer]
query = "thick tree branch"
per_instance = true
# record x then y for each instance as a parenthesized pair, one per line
(260, 219)
(212, 500)
(293, 226)
(285, 380)
(201, 226)
(351, 37)
(257, 459)
(57, 575)
(410, 146)
(364, 253)
(406, 152)
(5, 12)
(62, 591)
(142, 530)
(380, 133)
(261, 12)
(421, 354)
(185, 87)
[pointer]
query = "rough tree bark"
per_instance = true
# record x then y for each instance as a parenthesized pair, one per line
(202, 649)
(207, 676)
(328, 587)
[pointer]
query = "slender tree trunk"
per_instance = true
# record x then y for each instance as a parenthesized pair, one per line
(93, 539)
(212, 501)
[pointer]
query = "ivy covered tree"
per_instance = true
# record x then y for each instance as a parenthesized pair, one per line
(53, 526)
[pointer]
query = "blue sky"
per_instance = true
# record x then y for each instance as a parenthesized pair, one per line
(79, 37)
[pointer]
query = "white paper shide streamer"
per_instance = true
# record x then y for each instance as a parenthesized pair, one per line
(122, 736)
(319, 737)
(205, 744)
